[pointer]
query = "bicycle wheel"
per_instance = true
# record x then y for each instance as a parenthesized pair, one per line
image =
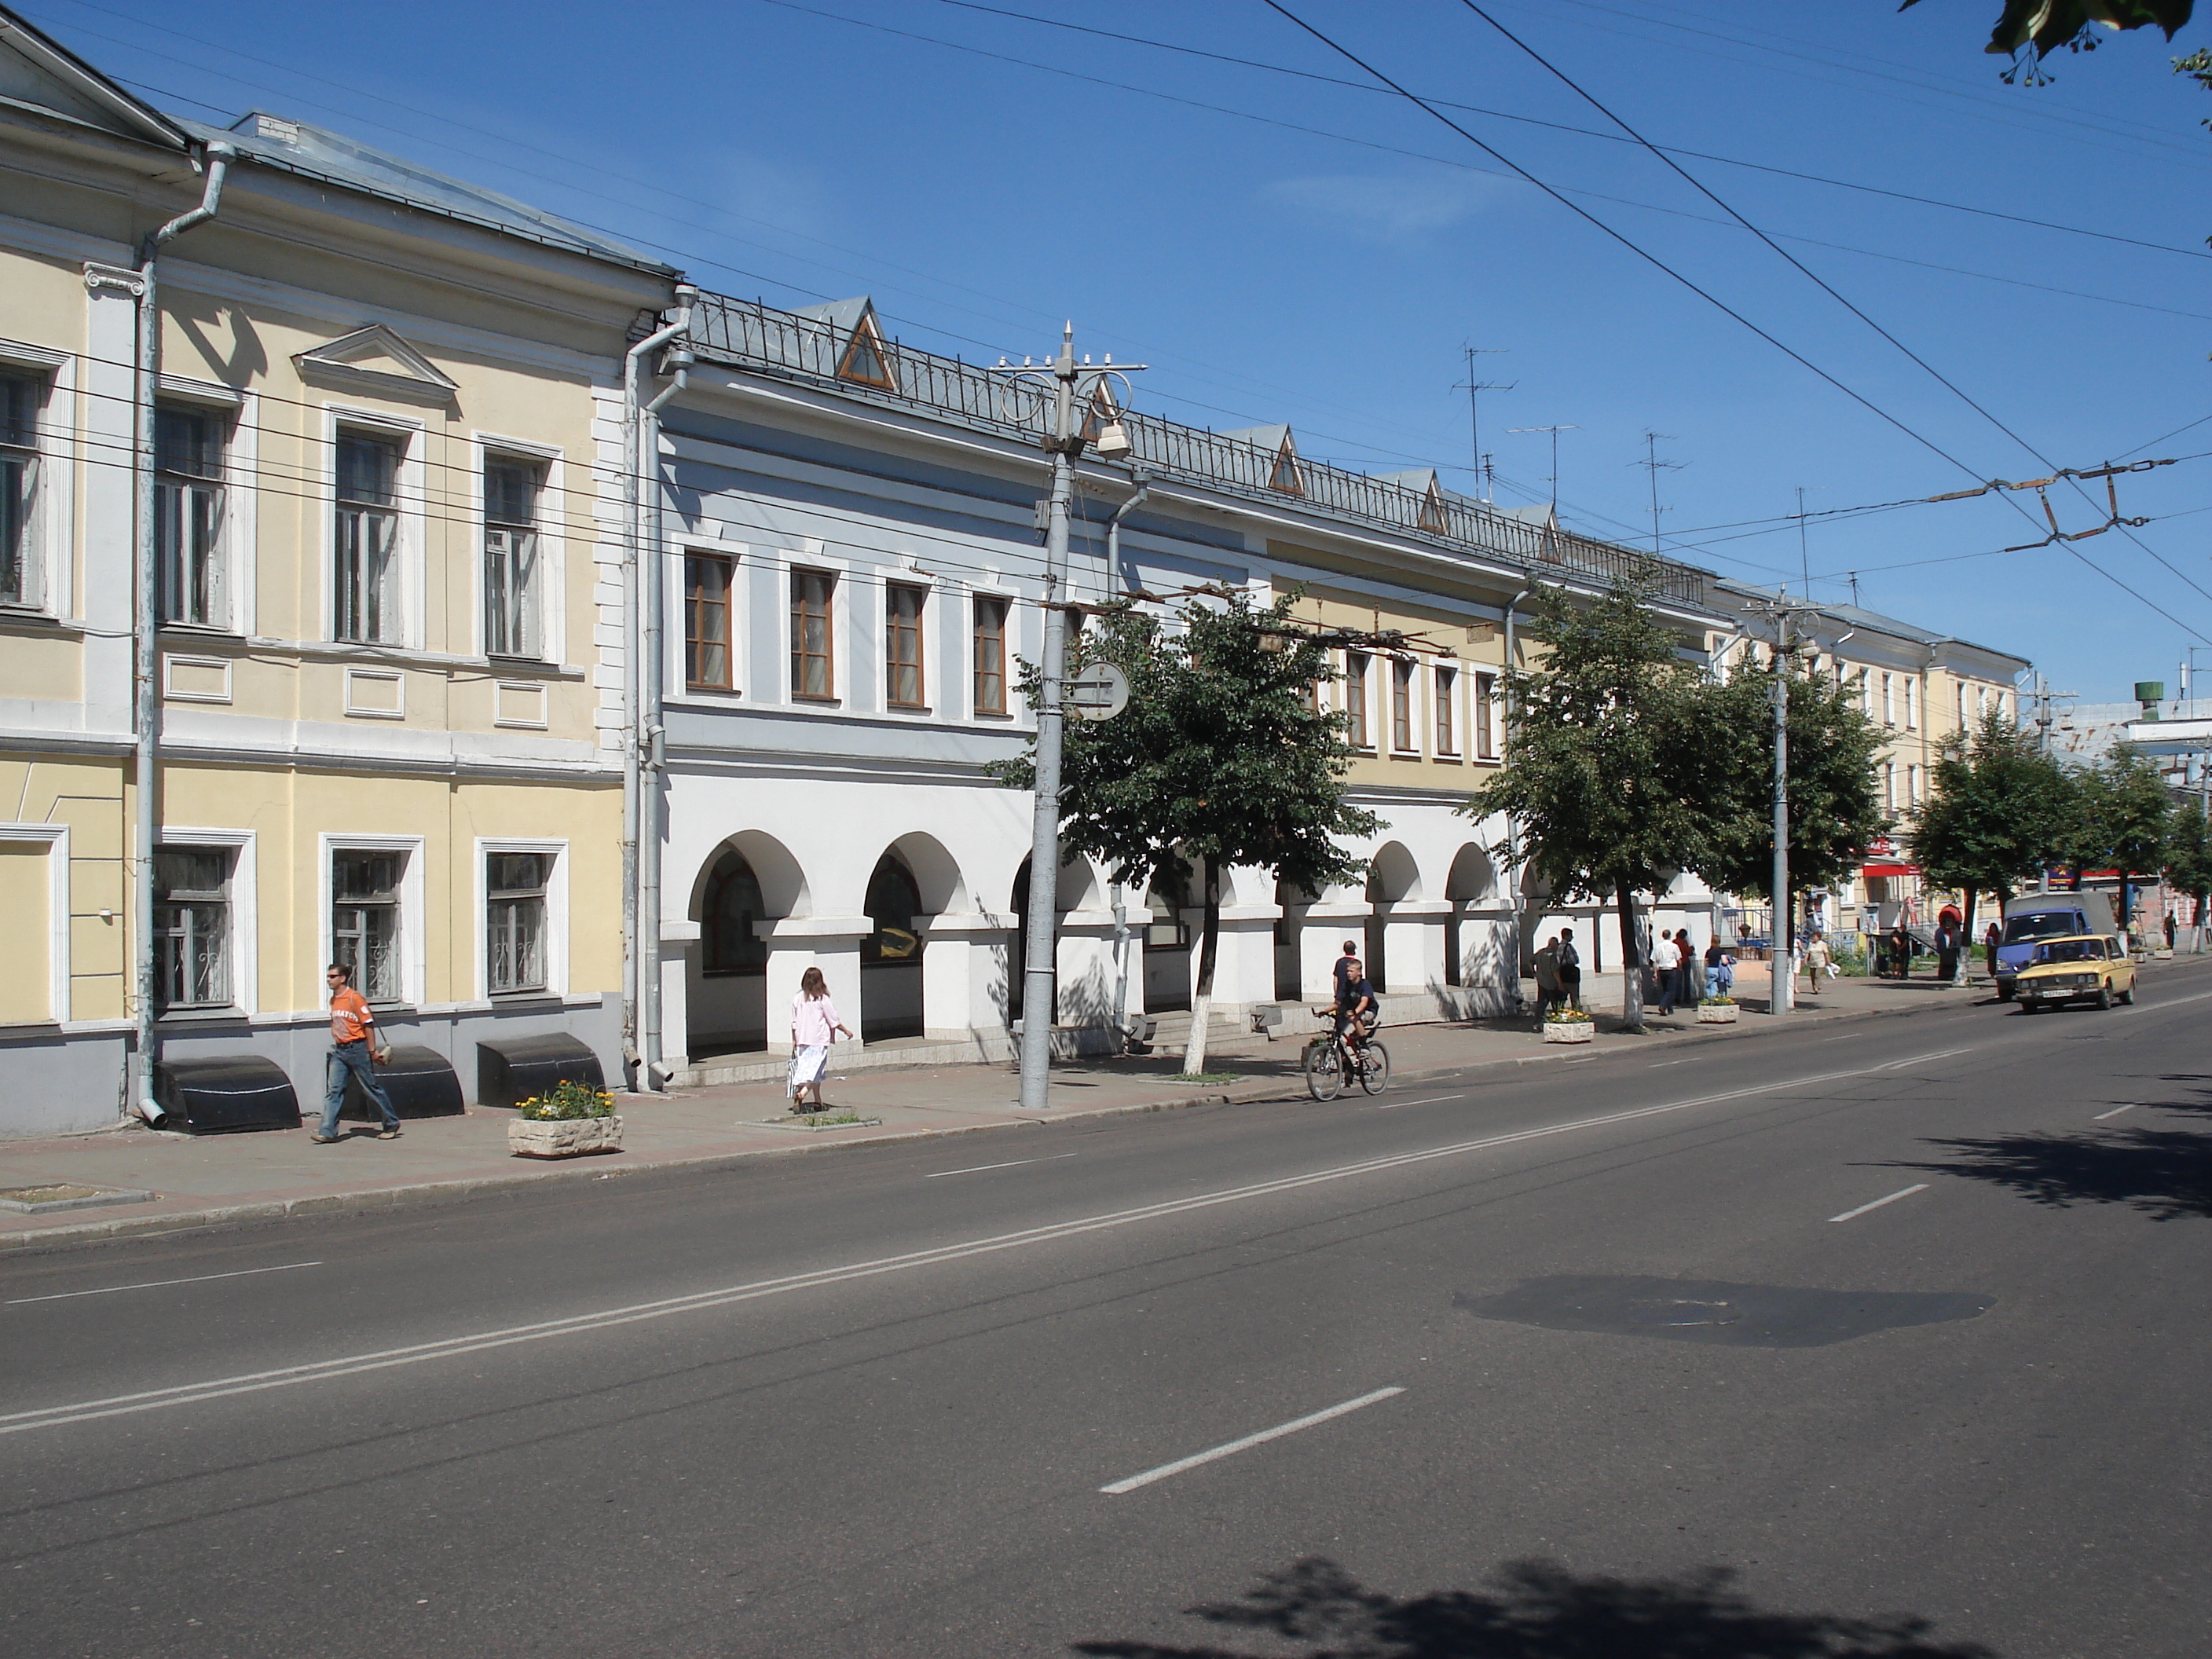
(1374, 1068)
(1324, 1075)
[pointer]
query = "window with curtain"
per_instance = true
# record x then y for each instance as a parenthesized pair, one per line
(1485, 737)
(902, 679)
(1402, 736)
(708, 581)
(188, 504)
(1446, 694)
(191, 926)
(1355, 700)
(813, 669)
(514, 921)
(368, 540)
(365, 919)
(990, 655)
(511, 598)
(21, 400)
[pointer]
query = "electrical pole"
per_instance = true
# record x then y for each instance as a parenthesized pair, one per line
(1652, 464)
(1070, 383)
(1473, 388)
(1782, 979)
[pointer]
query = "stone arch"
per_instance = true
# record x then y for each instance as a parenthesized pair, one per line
(937, 873)
(1471, 954)
(890, 953)
(1393, 877)
(783, 883)
(1077, 888)
(1473, 877)
(748, 879)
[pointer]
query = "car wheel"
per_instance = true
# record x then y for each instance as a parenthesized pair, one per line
(2027, 1007)
(2104, 997)
(2128, 996)
(2004, 992)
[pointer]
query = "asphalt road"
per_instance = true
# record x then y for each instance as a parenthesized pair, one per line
(1883, 1341)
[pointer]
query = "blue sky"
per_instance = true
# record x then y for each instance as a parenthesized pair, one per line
(1322, 254)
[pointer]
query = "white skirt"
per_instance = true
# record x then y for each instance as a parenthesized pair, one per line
(807, 1067)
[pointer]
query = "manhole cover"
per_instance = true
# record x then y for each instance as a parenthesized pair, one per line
(1700, 1311)
(64, 1195)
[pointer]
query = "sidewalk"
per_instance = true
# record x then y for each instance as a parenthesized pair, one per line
(175, 1180)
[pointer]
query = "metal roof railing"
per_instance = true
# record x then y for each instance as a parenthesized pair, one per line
(750, 335)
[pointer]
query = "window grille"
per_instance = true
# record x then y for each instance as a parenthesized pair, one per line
(1355, 699)
(191, 928)
(514, 921)
(188, 506)
(708, 579)
(990, 656)
(1446, 694)
(511, 598)
(903, 607)
(364, 921)
(813, 671)
(368, 539)
(20, 402)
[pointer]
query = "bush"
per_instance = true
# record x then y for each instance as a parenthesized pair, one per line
(567, 1099)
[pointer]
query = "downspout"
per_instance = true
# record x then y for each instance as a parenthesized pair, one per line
(632, 678)
(651, 1072)
(1512, 834)
(216, 157)
(1143, 479)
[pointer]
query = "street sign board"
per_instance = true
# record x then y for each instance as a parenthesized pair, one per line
(1097, 691)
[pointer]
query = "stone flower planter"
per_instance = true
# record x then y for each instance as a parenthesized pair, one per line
(1721, 1013)
(569, 1137)
(1568, 1030)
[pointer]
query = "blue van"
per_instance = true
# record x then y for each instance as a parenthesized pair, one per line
(2047, 915)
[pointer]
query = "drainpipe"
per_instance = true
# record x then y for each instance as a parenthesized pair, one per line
(1143, 479)
(215, 159)
(637, 673)
(1512, 836)
(655, 735)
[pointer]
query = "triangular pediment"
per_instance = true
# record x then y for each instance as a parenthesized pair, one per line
(41, 73)
(375, 359)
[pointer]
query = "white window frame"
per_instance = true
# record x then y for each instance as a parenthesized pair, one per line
(411, 508)
(241, 463)
(676, 602)
(57, 837)
(244, 905)
(1011, 692)
(841, 633)
(552, 545)
(1888, 701)
(556, 915)
(414, 921)
(52, 509)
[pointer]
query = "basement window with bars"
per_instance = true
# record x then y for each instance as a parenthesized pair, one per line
(514, 921)
(365, 919)
(191, 928)
(189, 445)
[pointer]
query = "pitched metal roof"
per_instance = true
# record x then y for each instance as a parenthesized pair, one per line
(1853, 616)
(76, 91)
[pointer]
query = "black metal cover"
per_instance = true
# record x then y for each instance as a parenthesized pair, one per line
(420, 1082)
(513, 1070)
(224, 1094)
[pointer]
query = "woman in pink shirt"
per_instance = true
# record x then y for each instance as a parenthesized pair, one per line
(814, 1027)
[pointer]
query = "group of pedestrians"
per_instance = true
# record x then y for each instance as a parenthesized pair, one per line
(1558, 975)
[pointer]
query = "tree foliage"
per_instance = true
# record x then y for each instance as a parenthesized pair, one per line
(1835, 813)
(1222, 758)
(1997, 811)
(1608, 773)
(2045, 26)
(2189, 855)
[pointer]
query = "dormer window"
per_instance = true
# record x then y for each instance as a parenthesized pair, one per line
(865, 359)
(1287, 476)
(1434, 517)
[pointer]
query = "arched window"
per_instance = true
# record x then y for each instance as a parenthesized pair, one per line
(728, 944)
(893, 900)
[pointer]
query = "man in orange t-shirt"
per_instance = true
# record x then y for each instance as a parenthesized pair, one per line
(353, 1045)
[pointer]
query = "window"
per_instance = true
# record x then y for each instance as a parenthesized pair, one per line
(1889, 787)
(1960, 686)
(1912, 718)
(21, 399)
(1485, 737)
(1355, 699)
(1888, 702)
(893, 900)
(368, 541)
(191, 928)
(511, 598)
(812, 671)
(188, 464)
(708, 579)
(1913, 784)
(1402, 705)
(514, 921)
(990, 655)
(728, 941)
(1447, 690)
(364, 921)
(902, 680)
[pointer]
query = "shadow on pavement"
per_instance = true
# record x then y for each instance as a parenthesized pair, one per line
(1539, 1610)
(2166, 1174)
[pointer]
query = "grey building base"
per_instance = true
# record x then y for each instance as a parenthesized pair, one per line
(57, 1083)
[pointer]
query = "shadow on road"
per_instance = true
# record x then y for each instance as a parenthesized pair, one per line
(2166, 1174)
(1538, 1610)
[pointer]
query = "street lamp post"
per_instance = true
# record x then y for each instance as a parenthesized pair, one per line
(1071, 383)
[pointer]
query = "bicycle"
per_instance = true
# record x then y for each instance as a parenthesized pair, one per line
(1332, 1064)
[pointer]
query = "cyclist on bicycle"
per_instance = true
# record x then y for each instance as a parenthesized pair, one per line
(1355, 1008)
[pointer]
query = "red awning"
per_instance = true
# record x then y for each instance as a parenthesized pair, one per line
(1885, 869)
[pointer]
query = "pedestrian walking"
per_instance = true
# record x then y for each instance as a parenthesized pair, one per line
(1989, 938)
(1685, 967)
(1900, 952)
(355, 1052)
(1571, 969)
(814, 1027)
(1820, 962)
(2170, 930)
(1666, 966)
(1345, 964)
(1547, 978)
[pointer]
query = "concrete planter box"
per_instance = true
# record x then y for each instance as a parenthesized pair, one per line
(2161, 956)
(1568, 1030)
(1716, 1014)
(569, 1137)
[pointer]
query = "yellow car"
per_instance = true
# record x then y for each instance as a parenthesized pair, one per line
(2083, 968)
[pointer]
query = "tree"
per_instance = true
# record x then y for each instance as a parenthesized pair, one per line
(2189, 858)
(1609, 766)
(1998, 813)
(1835, 813)
(2122, 821)
(2045, 26)
(1224, 757)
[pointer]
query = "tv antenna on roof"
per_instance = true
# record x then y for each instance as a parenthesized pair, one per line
(1474, 388)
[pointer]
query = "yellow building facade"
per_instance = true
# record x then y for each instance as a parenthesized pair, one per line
(386, 528)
